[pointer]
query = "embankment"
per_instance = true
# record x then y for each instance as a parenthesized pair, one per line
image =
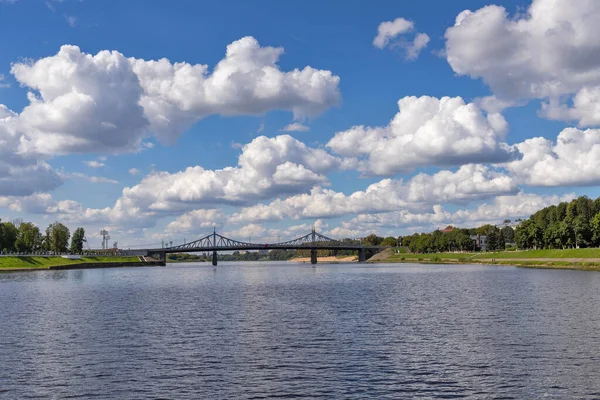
(34, 263)
(578, 259)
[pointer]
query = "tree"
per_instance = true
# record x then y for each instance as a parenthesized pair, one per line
(372, 240)
(29, 238)
(528, 235)
(389, 241)
(508, 233)
(78, 240)
(595, 226)
(57, 237)
(9, 236)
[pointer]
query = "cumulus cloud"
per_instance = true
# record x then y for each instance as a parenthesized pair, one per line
(550, 51)
(247, 81)
(426, 131)
(511, 207)
(84, 103)
(22, 173)
(195, 221)
(573, 160)
(267, 167)
(39, 203)
(388, 35)
(470, 182)
(108, 103)
(295, 127)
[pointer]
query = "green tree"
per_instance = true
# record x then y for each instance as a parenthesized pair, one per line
(29, 238)
(508, 233)
(595, 228)
(57, 237)
(389, 241)
(78, 240)
(9, 236)
(372, 240)
(528, 235)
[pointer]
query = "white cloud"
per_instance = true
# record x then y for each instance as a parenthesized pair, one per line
(511, 207)
(92, 179)
(39, 203)
(267, 167)
(295, 127)
(134, 171)
(389, 31)
(247, 81)
(550, 51)
(94, 164)
(470, 182)
(574, 160)
(109, 103)
(21, 171)
(3, 83)
(426, 131)
(85, 103)
(252, 233)
(195, 221)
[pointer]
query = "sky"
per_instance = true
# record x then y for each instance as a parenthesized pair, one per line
(159, 121)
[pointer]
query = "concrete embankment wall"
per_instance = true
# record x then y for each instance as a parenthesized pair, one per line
(110, 265)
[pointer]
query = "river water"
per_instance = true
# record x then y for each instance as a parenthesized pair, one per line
(281, 330)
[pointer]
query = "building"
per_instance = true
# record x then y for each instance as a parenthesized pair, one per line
(479, 242)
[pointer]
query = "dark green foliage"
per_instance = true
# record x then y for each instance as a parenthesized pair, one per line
(29, 238)
(372, 240)
(57, 237)
(8, 236)
(566, 225)
(78, 240)
(456, 240)
(389, 241)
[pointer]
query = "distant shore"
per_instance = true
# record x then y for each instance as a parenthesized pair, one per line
(328, 259)
(576, 259)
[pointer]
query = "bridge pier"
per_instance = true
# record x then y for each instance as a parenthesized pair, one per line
(313, 256)
(214, 258)
(362, 255)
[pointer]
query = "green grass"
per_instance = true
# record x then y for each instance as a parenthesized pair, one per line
(39, 262)
(567, 253)
(511, 258)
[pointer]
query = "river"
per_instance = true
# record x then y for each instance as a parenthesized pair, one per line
(282, 330)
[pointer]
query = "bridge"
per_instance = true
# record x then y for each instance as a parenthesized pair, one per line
(313, 241)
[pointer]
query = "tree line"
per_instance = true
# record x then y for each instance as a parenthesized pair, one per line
(573, 224)
(460, 239)
(26, 237)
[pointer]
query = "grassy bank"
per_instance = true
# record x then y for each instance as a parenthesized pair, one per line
(40, 262)
(584, 259)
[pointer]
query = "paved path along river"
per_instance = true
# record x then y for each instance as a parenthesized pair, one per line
(274, 330)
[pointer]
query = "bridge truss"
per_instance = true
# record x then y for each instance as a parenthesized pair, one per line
(216, 242)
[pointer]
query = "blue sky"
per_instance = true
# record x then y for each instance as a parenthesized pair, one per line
(457, 61)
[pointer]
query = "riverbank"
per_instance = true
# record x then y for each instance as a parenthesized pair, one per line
(576, 259)
(31, 263)
(329, 259)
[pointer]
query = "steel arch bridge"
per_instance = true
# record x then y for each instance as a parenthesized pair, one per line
(313, 241)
